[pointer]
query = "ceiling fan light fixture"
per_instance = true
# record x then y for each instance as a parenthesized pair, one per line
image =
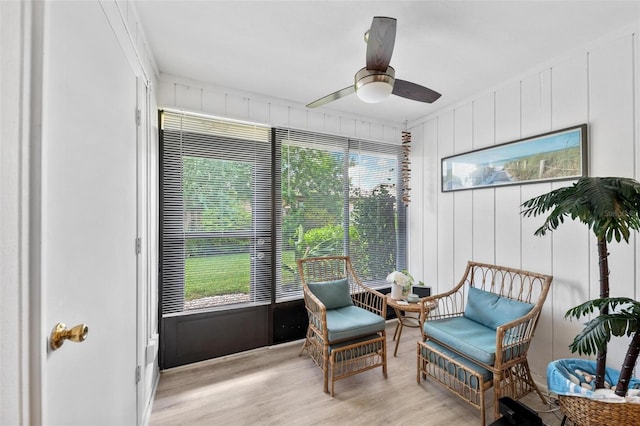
(374, 86)
(374, 92)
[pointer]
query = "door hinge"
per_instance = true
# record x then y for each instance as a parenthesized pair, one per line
(138, 117)
(137, 374)
(138, 245)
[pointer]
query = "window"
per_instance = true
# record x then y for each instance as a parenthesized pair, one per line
(216, 213)
(376, 213)
(339, 196)
(241, 202)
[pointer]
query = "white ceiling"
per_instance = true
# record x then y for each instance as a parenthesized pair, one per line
(299, 51)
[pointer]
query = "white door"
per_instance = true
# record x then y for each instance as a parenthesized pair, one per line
(88, 218)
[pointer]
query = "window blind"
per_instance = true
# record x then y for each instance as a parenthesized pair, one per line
(216, 212)
(339, 196)
(376, 210)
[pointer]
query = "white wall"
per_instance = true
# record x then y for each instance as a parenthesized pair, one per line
(126, 26)
(598, 85)
(195, 96)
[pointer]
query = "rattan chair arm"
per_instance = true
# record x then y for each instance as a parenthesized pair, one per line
(444, 305)
(316, 310)
(368, 298)
(371, 300)
(439, 306)
(515, 336)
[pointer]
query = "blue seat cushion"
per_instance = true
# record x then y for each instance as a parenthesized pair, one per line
(332, 294)
(351, 322)
(492, 310)
(467, 365)
(467, 336)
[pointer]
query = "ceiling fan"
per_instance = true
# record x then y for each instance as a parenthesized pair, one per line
(377, 81)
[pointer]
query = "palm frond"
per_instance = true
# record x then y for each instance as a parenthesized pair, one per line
(593, 338)
(597, 332)
(610, 206)
(589, 306)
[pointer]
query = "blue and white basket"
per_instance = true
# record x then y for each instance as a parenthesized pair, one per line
(587, 407)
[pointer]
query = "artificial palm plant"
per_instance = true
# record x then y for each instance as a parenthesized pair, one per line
(598, 331)
(610, 207)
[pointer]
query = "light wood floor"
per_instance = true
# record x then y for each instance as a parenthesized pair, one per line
(275, 386)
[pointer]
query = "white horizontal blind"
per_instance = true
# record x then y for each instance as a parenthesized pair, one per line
(216, 204)
(338, 196)
(375, 190)
(312, 191)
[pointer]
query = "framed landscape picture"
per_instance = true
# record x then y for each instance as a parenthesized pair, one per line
(557, 155)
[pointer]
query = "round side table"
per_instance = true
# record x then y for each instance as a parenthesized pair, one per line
(401, 306)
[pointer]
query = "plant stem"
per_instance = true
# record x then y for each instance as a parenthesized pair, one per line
(627, 366)
(603, 262)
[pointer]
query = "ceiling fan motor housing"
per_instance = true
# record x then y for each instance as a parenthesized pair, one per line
(374, 86)
(377, 80)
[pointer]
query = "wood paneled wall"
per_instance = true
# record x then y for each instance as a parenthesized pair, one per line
(598, 85)
(195, 96)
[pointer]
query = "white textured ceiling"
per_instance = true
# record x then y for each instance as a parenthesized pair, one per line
(299, 51)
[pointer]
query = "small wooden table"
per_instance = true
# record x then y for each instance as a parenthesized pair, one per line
(403, 321)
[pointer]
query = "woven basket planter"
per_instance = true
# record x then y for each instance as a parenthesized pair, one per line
(581, 406)
(591, 412)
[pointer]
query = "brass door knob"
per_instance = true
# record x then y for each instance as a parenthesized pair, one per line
(60, 333)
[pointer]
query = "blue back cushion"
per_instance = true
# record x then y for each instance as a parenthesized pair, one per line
(332, 294)
(492, 310)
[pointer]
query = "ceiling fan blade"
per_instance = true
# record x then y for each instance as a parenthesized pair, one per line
(332, 97)
(413, 91)
(382, 37)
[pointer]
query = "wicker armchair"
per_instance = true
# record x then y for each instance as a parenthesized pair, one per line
(452, 358)
(346, 332)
